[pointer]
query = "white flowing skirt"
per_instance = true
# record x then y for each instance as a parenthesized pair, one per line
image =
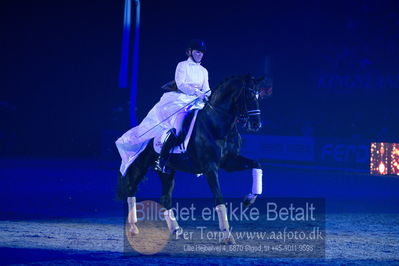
(161, 118)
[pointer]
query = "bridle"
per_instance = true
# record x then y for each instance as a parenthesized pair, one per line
(241, 103)
(245, 114)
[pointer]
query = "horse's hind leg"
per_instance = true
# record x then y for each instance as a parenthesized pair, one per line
(168, 183)
(127, 187)
(132, 216)
(132, 180)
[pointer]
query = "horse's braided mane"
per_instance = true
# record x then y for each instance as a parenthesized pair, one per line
(226, 80)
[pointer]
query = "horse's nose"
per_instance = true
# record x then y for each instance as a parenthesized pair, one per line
(256, 126)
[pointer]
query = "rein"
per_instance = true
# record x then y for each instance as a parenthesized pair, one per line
(219, 110)
(224, 112)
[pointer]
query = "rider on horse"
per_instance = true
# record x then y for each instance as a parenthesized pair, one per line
(214, 141)
(167, 116)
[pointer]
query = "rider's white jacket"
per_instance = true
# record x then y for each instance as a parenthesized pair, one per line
(192, 78)
(192, 81)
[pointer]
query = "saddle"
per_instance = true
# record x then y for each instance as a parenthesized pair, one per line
(183, 138)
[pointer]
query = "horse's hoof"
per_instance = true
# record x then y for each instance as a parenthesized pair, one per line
(177, 232)
(229, 241)
(228, 238)
(249, 200)
(134, 230)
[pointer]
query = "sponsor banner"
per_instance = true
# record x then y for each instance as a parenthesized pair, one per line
(342, 153)
(271, 227)
(283, 148)
(330, 152)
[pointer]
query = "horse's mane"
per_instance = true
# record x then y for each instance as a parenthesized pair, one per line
(224, 84)
(226, 81)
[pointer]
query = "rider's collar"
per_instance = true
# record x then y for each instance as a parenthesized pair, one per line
(192, 62)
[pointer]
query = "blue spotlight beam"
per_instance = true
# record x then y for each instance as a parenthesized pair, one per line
(123, 75)
(135, 66)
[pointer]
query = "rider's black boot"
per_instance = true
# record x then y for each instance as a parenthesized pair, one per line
(170, 142)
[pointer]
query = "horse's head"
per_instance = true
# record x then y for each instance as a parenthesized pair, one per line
(239, 97)
(249, 103)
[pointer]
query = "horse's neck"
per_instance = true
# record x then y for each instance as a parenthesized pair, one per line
(226, 94)
(221, 115)
(216, 123)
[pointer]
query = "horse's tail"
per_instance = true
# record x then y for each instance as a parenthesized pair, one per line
(127, 185)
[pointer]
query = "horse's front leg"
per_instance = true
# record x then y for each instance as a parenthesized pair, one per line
(239, 163)
(213, 182)
(168, 183)
(132, 216)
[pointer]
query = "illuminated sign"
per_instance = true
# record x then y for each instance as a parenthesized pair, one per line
(384, 158)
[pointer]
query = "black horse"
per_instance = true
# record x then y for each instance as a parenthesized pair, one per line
(214, 144)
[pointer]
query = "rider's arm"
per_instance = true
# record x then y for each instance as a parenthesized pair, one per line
(205, 86)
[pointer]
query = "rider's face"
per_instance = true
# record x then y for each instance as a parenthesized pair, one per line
(197, 55)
